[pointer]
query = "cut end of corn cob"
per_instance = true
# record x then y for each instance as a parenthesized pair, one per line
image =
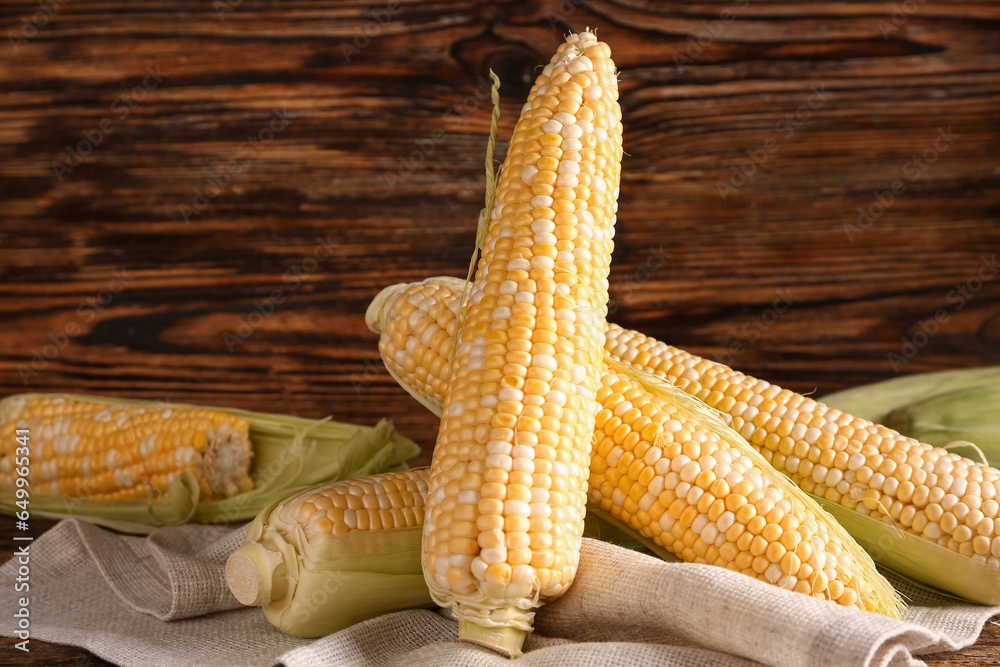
(508, 478)
(251, 574)
(104, 451)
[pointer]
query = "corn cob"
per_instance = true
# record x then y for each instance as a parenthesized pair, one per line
(659, 469)
(91, 450)
(868, 468)
(508, 477)
(329, 557)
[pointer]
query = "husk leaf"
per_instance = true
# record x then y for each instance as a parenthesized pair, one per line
(967, 415)
(919, 560)
(875, 401)
(290, 453)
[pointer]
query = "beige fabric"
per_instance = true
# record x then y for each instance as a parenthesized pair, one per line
(163, 600)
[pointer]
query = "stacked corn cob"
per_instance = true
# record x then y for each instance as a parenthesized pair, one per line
(517, 376)
(93, 450)
(508, 479)
(865, 467)
(660, 468)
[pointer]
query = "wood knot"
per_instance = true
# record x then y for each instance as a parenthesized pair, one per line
(515, 63)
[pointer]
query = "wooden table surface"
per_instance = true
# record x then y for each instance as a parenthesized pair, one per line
(169, 171)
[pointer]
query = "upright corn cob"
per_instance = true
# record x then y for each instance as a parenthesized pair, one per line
(108, 452)
(865, 467)
(660, 469)
(508, 478)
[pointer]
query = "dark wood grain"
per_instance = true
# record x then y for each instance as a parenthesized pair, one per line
(359, 108)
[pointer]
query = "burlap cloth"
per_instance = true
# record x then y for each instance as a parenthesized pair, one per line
(163, 600)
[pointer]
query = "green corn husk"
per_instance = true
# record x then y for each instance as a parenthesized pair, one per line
(310, 589)
(876, 401)
(290, 453)
(970, 415)
(313, 588)
(958, 410)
